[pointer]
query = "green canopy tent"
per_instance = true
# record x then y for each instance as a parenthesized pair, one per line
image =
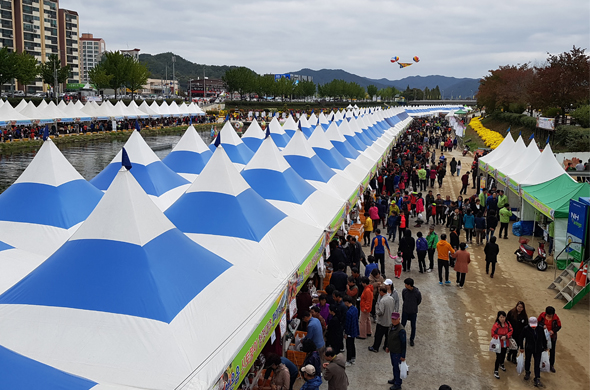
(552, 199)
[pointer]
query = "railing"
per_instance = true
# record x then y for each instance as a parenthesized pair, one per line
(559, 254)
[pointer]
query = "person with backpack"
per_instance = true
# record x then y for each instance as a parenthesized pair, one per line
(421, 251)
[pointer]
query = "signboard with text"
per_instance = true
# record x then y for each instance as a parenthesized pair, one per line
(576, 229)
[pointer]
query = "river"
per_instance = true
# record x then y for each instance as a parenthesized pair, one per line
(88, 159)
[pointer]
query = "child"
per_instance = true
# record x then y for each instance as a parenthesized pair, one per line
(397, 268)
(368, 229)
(351, 330)
(371, 266)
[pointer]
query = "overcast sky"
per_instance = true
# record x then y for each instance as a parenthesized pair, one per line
(460, 39)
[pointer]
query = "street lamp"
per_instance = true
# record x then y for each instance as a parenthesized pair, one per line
(173, 74)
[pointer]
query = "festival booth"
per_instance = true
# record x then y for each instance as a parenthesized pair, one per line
(10, 116)
(254, 136)
(46, 204)
(313, 120)
(189, 156)
(290, 126)
(162, 184)
(236, 150)
(304, 125)
(277, 133)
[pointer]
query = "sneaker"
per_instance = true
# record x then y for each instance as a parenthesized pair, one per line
(429, 270)
(372, 349)
(353, 360)
(348, 364)
(391, 381)
(527, 376)
(447, 282)
(460, 286)
(457, 284)
(441, 283)
(496, 375)
(502, 367)
(538, 383)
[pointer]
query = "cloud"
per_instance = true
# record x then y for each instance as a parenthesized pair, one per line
(451, 39)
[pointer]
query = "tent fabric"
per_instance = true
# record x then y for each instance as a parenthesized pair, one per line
(555, 194)
(496, 154)
(160, 182)
(277, 133)
(523, 160)
(513, 155)
(290, 126)
(189, 156)
(38, 226)
(305, 126)
(544, 168)
(254, 136)
(237, 150)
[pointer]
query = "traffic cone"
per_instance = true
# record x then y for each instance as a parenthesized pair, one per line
(582, 275)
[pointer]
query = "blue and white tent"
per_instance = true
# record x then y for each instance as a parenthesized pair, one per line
(303, 159)
(254, 136)
(346, 129)
(221, 212)
(46, 204)
(189, 156)
(161, 183)
(353, 123)
(236, 150)
(313, 120)
(304, 125)
(323, 121)
(269, 174)
(15, 264)
(131, 301)
(278, 133)
(290, 127)
(346, 149)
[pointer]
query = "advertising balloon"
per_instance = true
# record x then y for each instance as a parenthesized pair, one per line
(416, 59)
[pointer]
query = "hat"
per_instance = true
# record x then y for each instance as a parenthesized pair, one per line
(309, 369)
(388, 282)
(533, 322)
(395, 316)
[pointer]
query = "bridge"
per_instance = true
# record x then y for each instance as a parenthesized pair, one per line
(463, 102)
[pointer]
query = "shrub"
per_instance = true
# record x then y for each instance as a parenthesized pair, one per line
(551, 112)
(573, 138)
(582, 115)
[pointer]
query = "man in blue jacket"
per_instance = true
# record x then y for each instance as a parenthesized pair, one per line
(314, 331)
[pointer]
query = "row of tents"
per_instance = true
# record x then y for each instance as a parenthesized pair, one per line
(158, 274)
(27, 113)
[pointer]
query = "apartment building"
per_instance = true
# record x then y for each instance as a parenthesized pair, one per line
(92, 51)
(69, 43)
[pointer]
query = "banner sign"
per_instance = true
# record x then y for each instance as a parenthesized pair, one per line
(576, 228)
(546, 123)
(538, 205)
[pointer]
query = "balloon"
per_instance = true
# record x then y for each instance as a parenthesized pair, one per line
(416, 59)
(394, 59)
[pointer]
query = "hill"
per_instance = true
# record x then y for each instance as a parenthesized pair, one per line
(450, 85)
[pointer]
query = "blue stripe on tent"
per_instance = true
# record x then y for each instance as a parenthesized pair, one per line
(290, 133)
(21, 372)
(346, 149)
(307, 131)
(402, 115)
(246, 216)
(363, 137)
(287, 186)
(369, 134)
(183, 161)
(355, 143)
(281, 140)
(155, 281)
(4, 246)
(311, 168)
(333, 160)
(252, 143)
(63, 206)
(325, 126)
(156, 179)
(239, 154)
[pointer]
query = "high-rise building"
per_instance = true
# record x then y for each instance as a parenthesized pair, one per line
(92, 51)
(40, 28)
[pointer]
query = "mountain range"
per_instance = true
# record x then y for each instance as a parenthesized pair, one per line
(160, 64)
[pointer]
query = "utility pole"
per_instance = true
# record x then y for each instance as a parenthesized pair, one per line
(166, 79)
(204, 85)
(173, 74)
(55, 81)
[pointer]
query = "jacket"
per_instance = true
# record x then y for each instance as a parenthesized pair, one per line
(432, 239)
(376, 282)
(378, 244)
(421, 244)
(406, 246)
(281, 378)
(412, 299)
(499, 331)
(315, 332)
(469, 221)
(554, 325)
(313, 384)
(351, 322)
(480, 223)
(334, 334)
(505, 215)
(463, 259)
(533, 339)
(314, 359)
(518, 322)
(383, 309)
(396, 339)
(339, 280)
(492, 222)
(367, 299)
(491, 251)
(443, 248)
(336, 373)
(368, 226)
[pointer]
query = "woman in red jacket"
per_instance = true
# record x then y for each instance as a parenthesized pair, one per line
(502, 330)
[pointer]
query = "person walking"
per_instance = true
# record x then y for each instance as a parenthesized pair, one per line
(422, 178)
(518, 319)
(469, 225)
(502, 330)
(464, 183)
(412, 298)
(396, 347)
(421, 251)
(374, 214)
(532, 344)
(505, 215)
(459, 168)
(453, 166)
(491, 251)
(406, 247)
(462, 260)
(383, 309)
(378, 246)
(335, 370)
(552, 323)
(368, 227)
(366, 307)
(351, 330)
(480, 228)
(491, 223)
(432, 240)
(443, 249)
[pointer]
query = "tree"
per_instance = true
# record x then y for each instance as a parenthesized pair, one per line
(99, 77)
(372, 91)
(52, 65)
(265, 86)
(8, 66)
(241, 80)
(137, 75)
(117, 66)
(27, 69)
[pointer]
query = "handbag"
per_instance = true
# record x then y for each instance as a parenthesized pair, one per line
(513, 346)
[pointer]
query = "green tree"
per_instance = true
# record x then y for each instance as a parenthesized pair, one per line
(265, 86)
(8, 66)
(241, 80)
(99, 77)
(137, 75)
(372, 91)
(117, 66)
(50, 67)
(27, 69)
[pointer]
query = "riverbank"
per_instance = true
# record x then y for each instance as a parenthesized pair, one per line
(24, 145)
